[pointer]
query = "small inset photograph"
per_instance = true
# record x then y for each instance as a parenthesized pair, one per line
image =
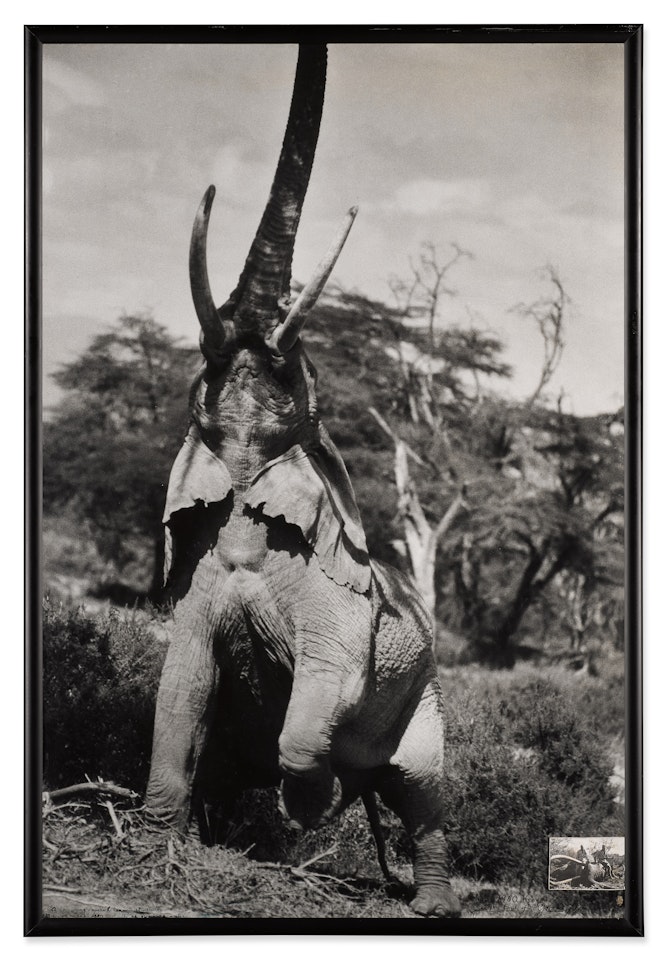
(586, 863)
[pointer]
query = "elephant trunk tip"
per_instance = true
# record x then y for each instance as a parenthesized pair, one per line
(208, 199)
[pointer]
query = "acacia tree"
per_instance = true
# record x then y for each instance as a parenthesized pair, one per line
(552, 514)
(533, 489)
(437, 360)
(110, 443)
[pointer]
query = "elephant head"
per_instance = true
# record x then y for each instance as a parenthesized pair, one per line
(565, 870)
(254, 418)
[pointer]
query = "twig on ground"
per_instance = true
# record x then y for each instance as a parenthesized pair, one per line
(319, 856)
(80, 789)
(114, 819)
(56, 889)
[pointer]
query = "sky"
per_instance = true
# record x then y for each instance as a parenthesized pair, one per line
(512, 151)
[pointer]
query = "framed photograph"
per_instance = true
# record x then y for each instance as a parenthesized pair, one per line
(333, 409)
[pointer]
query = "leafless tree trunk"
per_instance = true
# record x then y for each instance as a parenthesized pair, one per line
(420, 537)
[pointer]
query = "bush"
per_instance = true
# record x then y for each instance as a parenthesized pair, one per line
(100, 680)
(523, 765)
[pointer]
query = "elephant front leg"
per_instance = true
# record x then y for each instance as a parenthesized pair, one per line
(186, 696)
(324, 695)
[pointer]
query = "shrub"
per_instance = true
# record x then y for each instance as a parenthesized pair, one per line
(523, 765)
(100, 682)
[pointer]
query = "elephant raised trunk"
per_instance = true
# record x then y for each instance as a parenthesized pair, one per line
(266, 275)
(261, 301)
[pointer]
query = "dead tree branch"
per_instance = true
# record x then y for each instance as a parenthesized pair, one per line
(82, 789)
(548, 313)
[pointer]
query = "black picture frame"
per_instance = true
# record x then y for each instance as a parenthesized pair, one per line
(630, 36)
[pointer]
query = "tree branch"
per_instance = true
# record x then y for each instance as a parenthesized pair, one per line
(396, 439)
(446, 521)
(81, 789)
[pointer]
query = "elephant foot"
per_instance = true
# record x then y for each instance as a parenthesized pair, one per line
(175, 818)
(310, 803)
(436, 901)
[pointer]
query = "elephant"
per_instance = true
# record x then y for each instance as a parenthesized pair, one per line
(578, 873)
(295, 659)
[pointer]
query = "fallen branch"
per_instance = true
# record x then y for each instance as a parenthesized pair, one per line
(319, 856)
(79, 789)
(54, 888)
(114, 819)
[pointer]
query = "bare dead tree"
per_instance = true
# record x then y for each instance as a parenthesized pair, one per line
(548, 314)
(421, 295)
(421, 538)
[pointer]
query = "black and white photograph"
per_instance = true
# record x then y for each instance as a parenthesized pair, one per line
(586, 863)
(335, 399)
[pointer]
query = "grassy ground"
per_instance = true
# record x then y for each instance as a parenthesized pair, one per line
(103, 860)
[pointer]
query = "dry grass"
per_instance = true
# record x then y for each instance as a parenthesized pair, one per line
(96, 852)
(101, 858)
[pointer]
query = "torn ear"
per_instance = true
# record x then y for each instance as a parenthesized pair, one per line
(198, 476)
(312, 490)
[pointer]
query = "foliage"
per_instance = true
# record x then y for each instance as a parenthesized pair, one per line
(110, 446)
(544, 489)
(546, 499)
(524, 764)
(100, 680)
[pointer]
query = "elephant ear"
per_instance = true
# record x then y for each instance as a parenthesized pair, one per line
(312, 490)
(198, 476)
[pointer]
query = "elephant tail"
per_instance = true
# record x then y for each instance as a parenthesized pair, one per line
(371, 807)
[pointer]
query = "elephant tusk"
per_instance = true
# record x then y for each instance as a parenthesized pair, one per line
(285, 335)
(207, 314)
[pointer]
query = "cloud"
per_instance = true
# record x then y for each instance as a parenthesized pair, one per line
(430, 197)
(74, 86)
(480, 204)
(238, 178)
(99, 176)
